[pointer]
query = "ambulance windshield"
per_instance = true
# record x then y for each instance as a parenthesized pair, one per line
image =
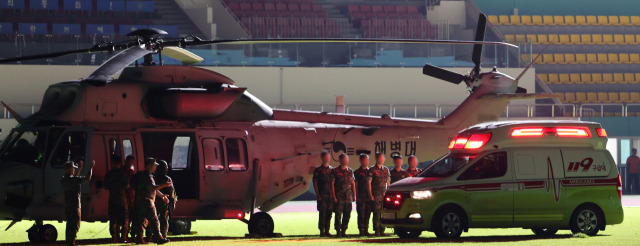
(446, 166)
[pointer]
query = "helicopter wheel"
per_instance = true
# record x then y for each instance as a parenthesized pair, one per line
(180, 226)
(48, 233)
(34, 233)
(261, 224)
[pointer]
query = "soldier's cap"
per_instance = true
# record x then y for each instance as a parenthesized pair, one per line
(397, 157)
(70, 164)
(149, 161)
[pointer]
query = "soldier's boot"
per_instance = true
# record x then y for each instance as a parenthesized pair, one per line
(160, 240)
(322, 232)
(140, 239)
(378, 234)
(326, 232)
(361, 233)
(114, 235)
(125, 236)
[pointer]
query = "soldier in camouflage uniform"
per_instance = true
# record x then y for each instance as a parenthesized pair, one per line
(322, 184)
(378, 181)
(413, 169)
(116, 181)
(397, 173)
(343, 191)
(363, 206)
(163, 208)
(71, 183)
(146, 192)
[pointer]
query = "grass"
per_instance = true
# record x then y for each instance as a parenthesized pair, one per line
(300, 228)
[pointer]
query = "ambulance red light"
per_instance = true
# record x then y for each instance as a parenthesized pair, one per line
(527, 132)
(582, 132)
(476, 141)
(601, 132)
(579, 132)
(619, 184)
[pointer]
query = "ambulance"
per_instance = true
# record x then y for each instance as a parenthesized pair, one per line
(540, 175)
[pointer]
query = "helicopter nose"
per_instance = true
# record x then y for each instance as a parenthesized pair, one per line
(16, 193)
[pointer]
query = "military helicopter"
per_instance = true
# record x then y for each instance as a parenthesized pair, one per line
(229, 152)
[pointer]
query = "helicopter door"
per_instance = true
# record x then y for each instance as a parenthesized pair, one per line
(226, 172)
(71, 146)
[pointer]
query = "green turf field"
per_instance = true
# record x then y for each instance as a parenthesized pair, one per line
(298, 228)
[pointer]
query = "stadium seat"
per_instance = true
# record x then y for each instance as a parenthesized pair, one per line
(618, 78)
(634, 58)
(581, 20)
(592, 97)
(564, 39)
(509, 38)
(607, 78)
(554, 78)
(402, 12)
(542, 39)
(586, 39)
(630, 39)
(625, 97)
(413, 12)
(597, 78)
(553, 38)
(613, 58)
(558, 58)
(613, 20)
(607, 39)
(592, 58)
(624, 58)
(515, 20)
(581, 59)
(570, 97)
(634, 97)
(504, 20)
(586, 78)
(547, 59)
(603, 97)
(558, 20)
(624, 20)
(570, 58)
(575, 78)
(575, 39)
(635, 20)
(532, 38)
(493, 19)
(564, 78)
(603, 20)
(637, 75)
(521, 38)
(527, 58)
(613, 97)
(560, 96)
(569, 20)
(602, 58)
(581, 97)
(618, 39)
(592, 20)
(526, 20)
(548, 20)
(537, 20)
(544, 77)
(629, 78)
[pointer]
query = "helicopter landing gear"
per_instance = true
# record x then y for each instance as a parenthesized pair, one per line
(180, 226)
(39, 233)
(261, 224)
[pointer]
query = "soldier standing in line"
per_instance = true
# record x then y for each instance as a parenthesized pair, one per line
(378, 181)
(413, 169)
(71, 182)
(116, 182)
(321, 184)
(397, 173)
(362, 194)
(343, 191)
(163, 208)
(146, 192)
(129, 171)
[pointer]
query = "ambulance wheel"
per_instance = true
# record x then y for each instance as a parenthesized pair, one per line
(180, 226)
(544, 232)
(48, 233)
(261, 224)
(34, 233)
(448, 224)
(407, 233)
(586, 219)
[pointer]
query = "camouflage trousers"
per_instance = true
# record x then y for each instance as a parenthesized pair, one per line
(343, 214)
(364, 213)
(73, 224)
(163, 218)
(147, 212)
(376, 208)
(325, 206)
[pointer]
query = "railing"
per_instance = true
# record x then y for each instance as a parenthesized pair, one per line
(22, 109)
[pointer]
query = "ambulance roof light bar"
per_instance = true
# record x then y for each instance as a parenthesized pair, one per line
(560, 131)
(475, 141)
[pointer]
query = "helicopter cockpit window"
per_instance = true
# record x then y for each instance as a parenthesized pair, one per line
(28, 147)
(213, 157)
(236, 154)
(71, 147)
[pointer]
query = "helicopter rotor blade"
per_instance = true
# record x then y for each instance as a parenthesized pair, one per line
(444, 74)
(115, 64)
(477, 48)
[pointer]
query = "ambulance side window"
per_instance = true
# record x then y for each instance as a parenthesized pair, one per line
(490, 166)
